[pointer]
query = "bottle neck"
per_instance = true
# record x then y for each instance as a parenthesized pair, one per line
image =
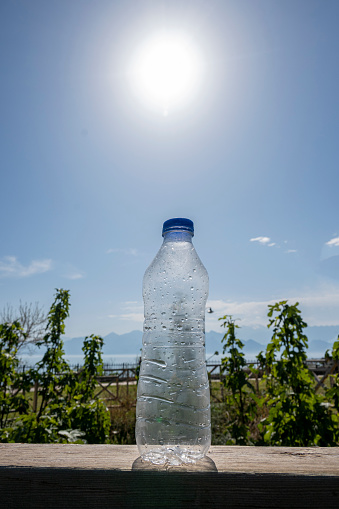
(178, 236)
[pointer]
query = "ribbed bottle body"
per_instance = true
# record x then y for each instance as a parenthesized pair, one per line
(173, 404)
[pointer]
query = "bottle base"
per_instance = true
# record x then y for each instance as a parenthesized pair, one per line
(171, 455)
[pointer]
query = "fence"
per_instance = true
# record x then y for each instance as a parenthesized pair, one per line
(127, 376)
(116, 377)
(119, 376)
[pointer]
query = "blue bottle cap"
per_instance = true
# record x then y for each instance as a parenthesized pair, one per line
(178, 223)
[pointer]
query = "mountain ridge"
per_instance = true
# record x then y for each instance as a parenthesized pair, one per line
(131, 342)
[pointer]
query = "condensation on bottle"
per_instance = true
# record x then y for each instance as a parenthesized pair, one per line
(173, 423)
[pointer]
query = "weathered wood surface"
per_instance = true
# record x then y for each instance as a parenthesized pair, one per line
(283, 460)
(112, 476)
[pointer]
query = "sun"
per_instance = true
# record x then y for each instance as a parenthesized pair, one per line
(166, 71)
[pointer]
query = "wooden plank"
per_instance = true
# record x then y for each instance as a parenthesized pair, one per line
(286, 460)
(53, 475)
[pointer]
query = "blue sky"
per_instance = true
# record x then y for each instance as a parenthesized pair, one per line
(89, 172)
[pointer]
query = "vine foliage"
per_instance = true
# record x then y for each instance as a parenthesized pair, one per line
(297, 416)
(240, 400)
(65, 408)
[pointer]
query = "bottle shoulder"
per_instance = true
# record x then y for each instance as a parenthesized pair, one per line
(176, 258)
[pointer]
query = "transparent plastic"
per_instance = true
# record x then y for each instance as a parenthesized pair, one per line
(173, 404)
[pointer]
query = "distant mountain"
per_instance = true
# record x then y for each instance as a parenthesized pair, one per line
(322, 332)
(129, 343)
(263, 334)
(73, 346)
(252, 347)
(114, 344)
(112, 336)
(321, 338)
(316, 346)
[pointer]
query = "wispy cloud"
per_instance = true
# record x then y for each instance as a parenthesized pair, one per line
(266, 241)
(75, 275)
(11, 267)
(130, 311)
(128, 251)
(321, 307)
(131, 317)
(318, 307)
(71, 272)
(251, 313)
(131, 304)
(333, 242)
(262, 240)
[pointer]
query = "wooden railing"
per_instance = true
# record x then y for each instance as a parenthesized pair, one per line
(126, 375)
(108, 476)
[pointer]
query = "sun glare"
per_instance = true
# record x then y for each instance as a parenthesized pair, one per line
(166, 71)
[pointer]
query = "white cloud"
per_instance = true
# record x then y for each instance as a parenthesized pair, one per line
(76, 275)
(129, 251)
(134, 306)
(333, 242)
(251, 313)
(261, 240)
(320, 307)
(132, 317)
(132, 311)
(266, 241)
(70, 271)
(10, 267)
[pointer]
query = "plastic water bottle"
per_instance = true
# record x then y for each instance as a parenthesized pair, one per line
(173, 405)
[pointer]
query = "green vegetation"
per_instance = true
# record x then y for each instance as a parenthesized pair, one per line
(240, 398)
(12, 384)
(274, 404)
(284, 409)
(65, 409)
(297, 416)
